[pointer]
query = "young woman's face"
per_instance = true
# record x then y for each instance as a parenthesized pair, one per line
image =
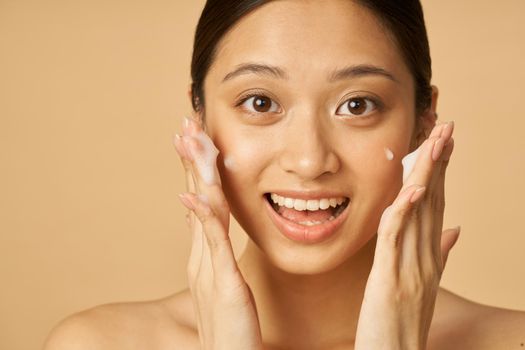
(321, 92)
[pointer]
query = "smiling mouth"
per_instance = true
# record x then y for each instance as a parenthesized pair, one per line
(309, 212)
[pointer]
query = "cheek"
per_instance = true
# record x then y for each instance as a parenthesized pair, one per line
(378, 170)
(242, 160)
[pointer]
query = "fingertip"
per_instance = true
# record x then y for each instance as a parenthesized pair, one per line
(449, 238)
(186, 125)
(457, 230)
(176, 137)
(176, 140)
(190, 126)
(436, 130)
(448, 129)
(449, 147)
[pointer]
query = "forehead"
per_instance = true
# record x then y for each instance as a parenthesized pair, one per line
(308, 38)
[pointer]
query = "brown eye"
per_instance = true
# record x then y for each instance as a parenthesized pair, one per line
(356, 106)
(260, 104)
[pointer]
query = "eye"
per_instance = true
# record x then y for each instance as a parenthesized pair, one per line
(260, 104)
(357, 106)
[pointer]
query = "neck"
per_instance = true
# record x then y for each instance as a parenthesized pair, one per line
(307, 311)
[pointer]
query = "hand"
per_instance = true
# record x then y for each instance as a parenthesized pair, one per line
(223, 302)
(410, 256)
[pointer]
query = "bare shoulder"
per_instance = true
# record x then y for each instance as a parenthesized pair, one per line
(460, 323)
(156, 324)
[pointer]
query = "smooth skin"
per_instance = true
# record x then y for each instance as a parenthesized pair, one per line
(355, 291)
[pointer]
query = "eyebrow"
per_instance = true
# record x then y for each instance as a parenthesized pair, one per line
(349, 72)
(255, 68)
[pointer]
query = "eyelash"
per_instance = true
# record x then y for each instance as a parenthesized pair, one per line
(378, 104)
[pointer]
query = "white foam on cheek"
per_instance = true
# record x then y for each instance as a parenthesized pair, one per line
(408, 163)
(229, 162)
(207, 161)
(389, 154)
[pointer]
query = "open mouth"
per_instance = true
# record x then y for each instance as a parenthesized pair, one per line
(309, 212)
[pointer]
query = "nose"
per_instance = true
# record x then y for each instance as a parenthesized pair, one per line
(307, 148)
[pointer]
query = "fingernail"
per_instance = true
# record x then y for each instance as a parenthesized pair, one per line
(190, 126)
(187, 126)
(458, 230)
(417, 194)
(178, 144)
(438, 149)
(449, 148)
(187, 203)
(176, 140)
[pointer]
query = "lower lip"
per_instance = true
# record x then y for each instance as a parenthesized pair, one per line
(306, 234)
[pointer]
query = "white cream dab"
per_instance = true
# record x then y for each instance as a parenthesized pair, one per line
(207, 160)
(389, 154)
(408, 163)
(229, 162)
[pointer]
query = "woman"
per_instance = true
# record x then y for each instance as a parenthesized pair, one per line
(303, 113)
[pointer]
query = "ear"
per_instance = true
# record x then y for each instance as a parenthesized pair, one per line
(426, 121)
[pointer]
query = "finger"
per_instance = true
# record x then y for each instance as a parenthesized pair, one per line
(194, 260)
(223, 261)
(427, 172)
(426, 155)
(421, 171)
(437, 205)
(203, 159)
(438, 130)
(410, 159)
(186, 163)
(391, 225)
(449, 239)
(443, 150)
(188, 175)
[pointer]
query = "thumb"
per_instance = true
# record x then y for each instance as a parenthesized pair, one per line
(449, 238)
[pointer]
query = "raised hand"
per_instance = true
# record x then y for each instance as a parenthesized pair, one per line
(410, 255)
(223, 302)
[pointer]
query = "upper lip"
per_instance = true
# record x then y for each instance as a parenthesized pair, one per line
(311, 194)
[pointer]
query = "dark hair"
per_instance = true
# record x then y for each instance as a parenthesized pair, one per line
(403, 19)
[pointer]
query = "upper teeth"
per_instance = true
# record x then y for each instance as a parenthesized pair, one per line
(303, 204)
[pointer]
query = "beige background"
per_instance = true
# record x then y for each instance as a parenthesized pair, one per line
(91, 93)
